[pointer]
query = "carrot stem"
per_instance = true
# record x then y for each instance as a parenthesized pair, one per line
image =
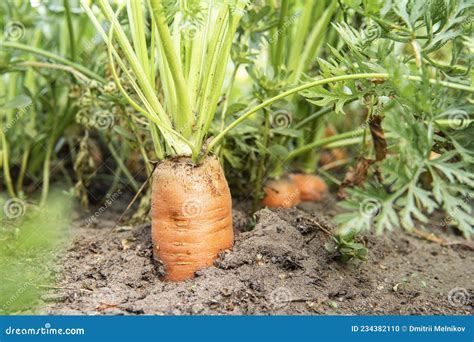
(305, 86)
(352, 138)
(262, 162)
(50, 55)
(185, 118)
(70, 29)
(6, 167)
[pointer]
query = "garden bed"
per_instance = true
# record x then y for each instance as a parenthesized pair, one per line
(279, 267)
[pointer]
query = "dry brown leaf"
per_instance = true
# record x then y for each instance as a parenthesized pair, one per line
(378, 136)
(355, 176)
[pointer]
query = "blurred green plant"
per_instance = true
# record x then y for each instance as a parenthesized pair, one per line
(420, 156)
(277, 43)
(61, 117)
(413, 107)
(30, 240)
(37, 113)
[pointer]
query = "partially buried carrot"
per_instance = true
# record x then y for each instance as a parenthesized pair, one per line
(336, 154)
(281, 193)
(311, 187)
(191, 215)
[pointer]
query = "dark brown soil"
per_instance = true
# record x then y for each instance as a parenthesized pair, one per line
(280, 267)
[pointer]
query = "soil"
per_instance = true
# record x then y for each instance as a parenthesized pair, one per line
(279, 267)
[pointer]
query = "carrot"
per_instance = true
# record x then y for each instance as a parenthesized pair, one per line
(191, 215)
(339, 153)
(335, 154)
(311, 187)
(282, 193)
(433, 155)
(326, 157)
(329, 131)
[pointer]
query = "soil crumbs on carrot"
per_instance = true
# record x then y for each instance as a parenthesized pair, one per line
(279, 267)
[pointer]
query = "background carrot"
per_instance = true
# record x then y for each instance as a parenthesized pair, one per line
(282, 193)
(333, 155)
(311, 187)
(191, 215)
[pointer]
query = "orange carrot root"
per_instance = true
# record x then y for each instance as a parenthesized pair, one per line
(330, 156)
(191, 216)
(311, 187)
(281, 193)
(339, 153)
(434, 155)
(326, 158)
